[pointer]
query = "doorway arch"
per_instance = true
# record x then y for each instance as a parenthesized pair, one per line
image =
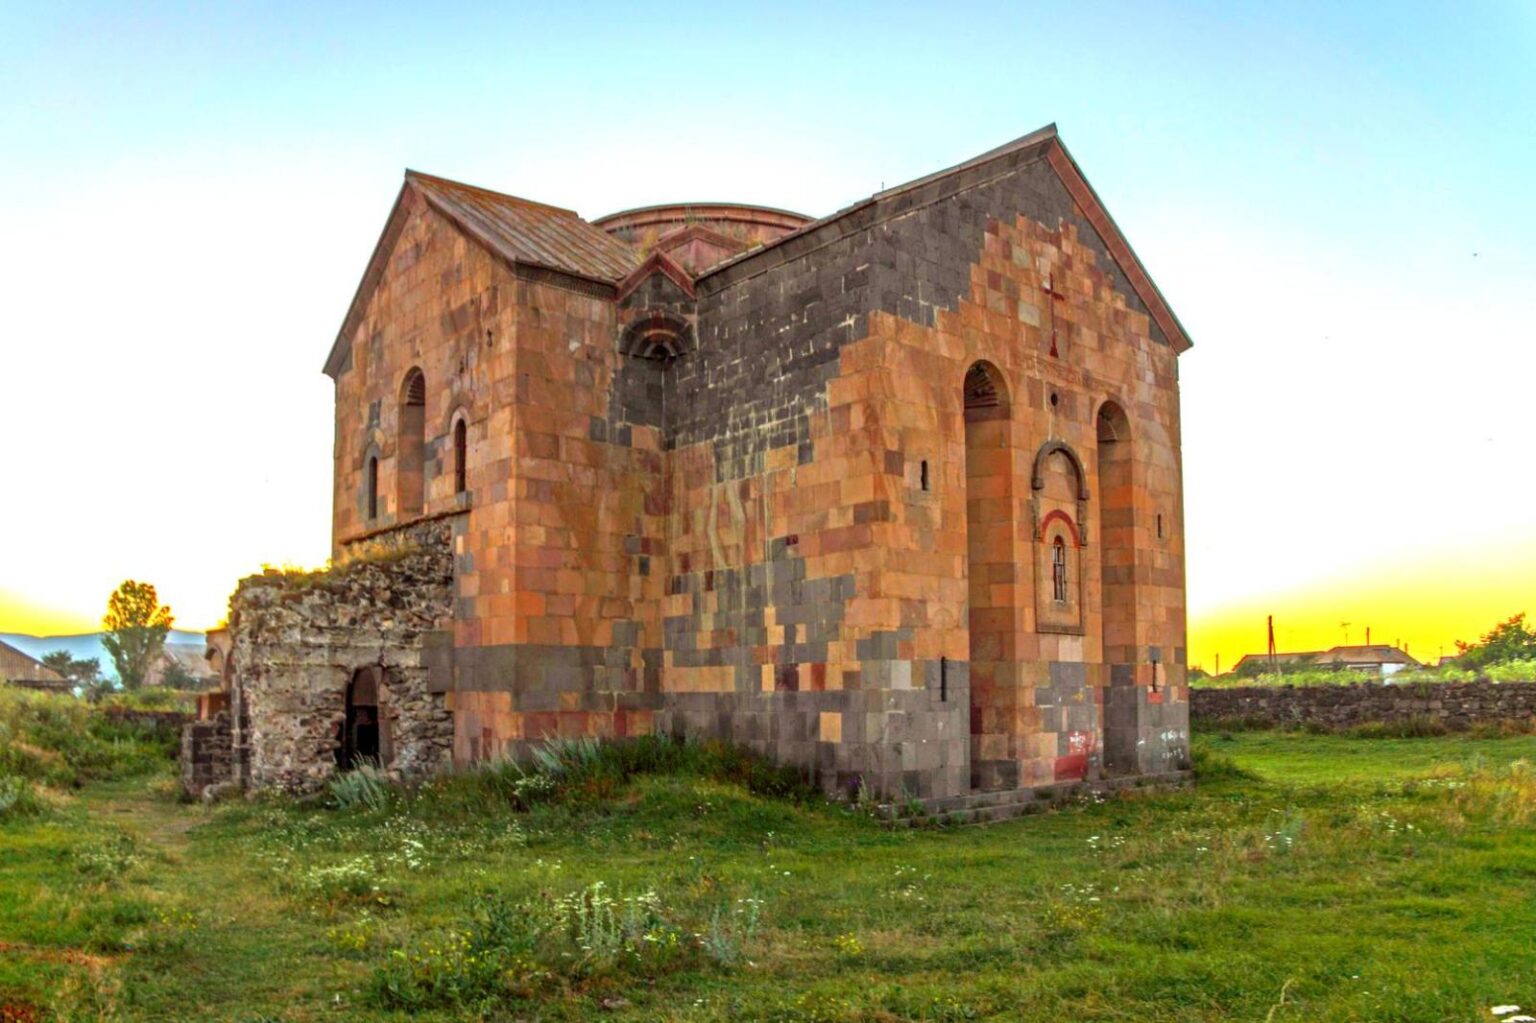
(362, 739)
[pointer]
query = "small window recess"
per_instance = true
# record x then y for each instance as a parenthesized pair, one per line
(1059, 571)
(922, 475)
(460, 457)
(1159, 526)
(373, 487)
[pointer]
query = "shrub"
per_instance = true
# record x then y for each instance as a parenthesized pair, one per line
(17, 799)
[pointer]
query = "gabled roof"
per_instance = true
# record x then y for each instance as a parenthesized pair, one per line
(894, 201)
(518, 231)
(530, 233)
(660, 262)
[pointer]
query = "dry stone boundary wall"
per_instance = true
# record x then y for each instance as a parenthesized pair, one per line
(1455, 705)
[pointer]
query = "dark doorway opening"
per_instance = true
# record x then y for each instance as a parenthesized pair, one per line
(360, 739)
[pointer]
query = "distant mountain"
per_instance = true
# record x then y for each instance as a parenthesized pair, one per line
(88, 645)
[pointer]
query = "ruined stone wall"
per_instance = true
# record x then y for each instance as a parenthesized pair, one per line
(1455, 705)
(298, 640)
(207, 754)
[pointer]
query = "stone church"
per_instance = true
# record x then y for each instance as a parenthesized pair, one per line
(894, 495)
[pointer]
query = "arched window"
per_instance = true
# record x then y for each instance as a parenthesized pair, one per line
(373, 486)
(410, 453)
(1059, 571)
(460, 459)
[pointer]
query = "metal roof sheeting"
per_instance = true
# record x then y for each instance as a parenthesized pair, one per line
(527, 232)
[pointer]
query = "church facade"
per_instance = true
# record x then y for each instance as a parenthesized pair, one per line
(894, 495)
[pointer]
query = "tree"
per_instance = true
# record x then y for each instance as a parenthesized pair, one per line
(1510, 640)
(136, 624)
(84, 672)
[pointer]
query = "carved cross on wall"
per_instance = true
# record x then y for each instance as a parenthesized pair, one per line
(1049, 287)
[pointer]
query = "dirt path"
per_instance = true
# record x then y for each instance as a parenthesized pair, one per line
(232, 948)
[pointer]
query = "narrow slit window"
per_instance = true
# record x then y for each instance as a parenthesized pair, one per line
(1159, 527)
(1059, 571)
(922, 474)
(460, 451)
(373, 487)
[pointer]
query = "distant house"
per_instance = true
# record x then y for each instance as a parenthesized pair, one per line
(192, 659)
(1254, 664)
(1380, 660)
(19, 669)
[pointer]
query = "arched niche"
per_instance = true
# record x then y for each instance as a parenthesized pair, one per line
(410, 447)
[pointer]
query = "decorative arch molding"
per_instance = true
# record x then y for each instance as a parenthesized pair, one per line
(1052, 447)
(1037, 484)
(1057, 515)
(457, 411)
(373, 444)
(657, 334)
(370, 499)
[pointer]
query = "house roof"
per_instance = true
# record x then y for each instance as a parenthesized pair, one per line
(893, 201)
(1375, 654)
(1279, 658)
(17, 665)
(519, 231)
(1378, 654)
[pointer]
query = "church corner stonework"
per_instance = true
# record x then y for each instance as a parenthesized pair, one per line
(894, 496)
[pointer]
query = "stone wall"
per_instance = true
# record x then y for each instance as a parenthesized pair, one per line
(206, 754)
(299, 640)
(1454, 705)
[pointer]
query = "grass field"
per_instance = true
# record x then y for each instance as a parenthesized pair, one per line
(1306, 878)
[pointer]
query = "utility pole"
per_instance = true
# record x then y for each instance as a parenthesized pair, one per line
(1271, 644)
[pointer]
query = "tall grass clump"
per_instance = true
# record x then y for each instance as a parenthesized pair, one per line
(1212, 766)
(363, 788)
(592, 770)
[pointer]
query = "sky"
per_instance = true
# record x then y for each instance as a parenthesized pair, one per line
(1335, 198)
